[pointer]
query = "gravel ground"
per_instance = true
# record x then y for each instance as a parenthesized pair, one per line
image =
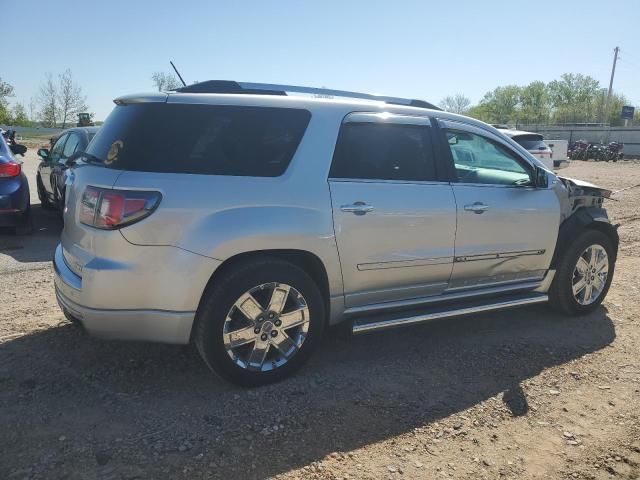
(519, 394)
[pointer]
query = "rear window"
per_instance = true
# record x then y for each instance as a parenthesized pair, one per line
(200, 139)
(531, 142)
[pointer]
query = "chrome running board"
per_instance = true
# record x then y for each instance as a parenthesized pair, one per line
(376, 323)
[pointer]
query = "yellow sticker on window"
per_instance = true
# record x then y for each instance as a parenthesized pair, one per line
(114, 151)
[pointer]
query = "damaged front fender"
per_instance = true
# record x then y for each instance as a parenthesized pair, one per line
(576, 194)
(581, 209)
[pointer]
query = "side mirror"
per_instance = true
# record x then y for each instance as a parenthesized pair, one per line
(43, 153)
(542, 178)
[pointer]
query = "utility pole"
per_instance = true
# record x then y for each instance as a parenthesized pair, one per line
(616, 51)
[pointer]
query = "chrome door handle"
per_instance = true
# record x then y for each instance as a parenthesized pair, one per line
(477, 207)
(358, 208)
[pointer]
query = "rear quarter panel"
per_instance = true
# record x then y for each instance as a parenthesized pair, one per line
(223, 216)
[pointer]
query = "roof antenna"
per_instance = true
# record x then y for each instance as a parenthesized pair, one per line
(178, 73)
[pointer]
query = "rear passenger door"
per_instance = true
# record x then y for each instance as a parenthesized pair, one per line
(49, 164)
(74, 140)
(394, 219)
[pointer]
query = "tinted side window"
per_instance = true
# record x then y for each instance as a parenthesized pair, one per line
(71, 145)
(377, 151)
(200, 139)
(57, 149)
(478, 159)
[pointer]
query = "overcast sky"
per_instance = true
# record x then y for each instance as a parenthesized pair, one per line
(419, 49)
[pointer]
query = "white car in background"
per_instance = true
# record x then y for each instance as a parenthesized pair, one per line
(533, 143)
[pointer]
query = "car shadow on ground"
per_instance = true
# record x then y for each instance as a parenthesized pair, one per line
(157, 410)
(38, 246)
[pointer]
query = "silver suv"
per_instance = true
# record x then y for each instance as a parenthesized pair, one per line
(247, 220)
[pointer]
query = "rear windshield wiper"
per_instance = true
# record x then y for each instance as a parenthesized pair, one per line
(90, 158)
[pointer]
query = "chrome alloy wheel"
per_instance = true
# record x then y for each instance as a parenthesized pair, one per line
(266, 327)
(590, 274)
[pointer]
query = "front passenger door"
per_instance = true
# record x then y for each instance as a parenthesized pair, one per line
(506, 227)
(51, 161)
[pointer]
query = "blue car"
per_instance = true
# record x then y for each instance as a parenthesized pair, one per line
(15, 208)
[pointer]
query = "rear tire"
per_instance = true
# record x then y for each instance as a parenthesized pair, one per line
(579, 285)
(225, 310)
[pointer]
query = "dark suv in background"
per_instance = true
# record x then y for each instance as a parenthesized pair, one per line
(50, 177)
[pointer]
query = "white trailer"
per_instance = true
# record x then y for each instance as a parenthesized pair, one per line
(559, 150)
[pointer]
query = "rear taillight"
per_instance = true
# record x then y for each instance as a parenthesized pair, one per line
(111, 209)
(10, 169)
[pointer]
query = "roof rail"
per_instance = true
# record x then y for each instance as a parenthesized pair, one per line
(230, 86)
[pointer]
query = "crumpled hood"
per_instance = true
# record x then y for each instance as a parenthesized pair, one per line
(585, 187)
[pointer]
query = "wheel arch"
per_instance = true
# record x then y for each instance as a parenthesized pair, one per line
(307, 261)
(587, 218)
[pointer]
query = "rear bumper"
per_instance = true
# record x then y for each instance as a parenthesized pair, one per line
(14, 199)
(136, 324)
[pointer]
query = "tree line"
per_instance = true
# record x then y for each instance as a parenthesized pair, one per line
(574, 98)
(58, 102)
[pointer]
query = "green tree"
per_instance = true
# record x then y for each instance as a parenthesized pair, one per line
(574, 98)
(501, 104)
(6, 91)
(480, 112)
(616, 102)
(19, 116)
(535, 106)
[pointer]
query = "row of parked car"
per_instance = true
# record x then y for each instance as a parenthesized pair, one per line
(15, 205)
(247, 221)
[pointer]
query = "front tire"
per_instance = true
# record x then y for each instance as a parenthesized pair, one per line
(259, 322)
(42, 195)
(584, 274)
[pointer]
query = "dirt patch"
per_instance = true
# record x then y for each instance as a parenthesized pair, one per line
(521, 394)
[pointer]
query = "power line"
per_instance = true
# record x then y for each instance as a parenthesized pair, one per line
(616, 51)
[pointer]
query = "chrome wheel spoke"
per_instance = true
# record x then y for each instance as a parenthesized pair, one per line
(602, 265)
(295, 318)
(598, 283)
(587, 294)
(279, 298)
(258, 354)
(240, 337)
(285, 345)
(249, 306)
(582, 266)
(579, 286)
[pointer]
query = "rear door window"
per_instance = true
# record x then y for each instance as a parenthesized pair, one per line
(200, 139)
(71, 145)
(58, 147)
(379, 151)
